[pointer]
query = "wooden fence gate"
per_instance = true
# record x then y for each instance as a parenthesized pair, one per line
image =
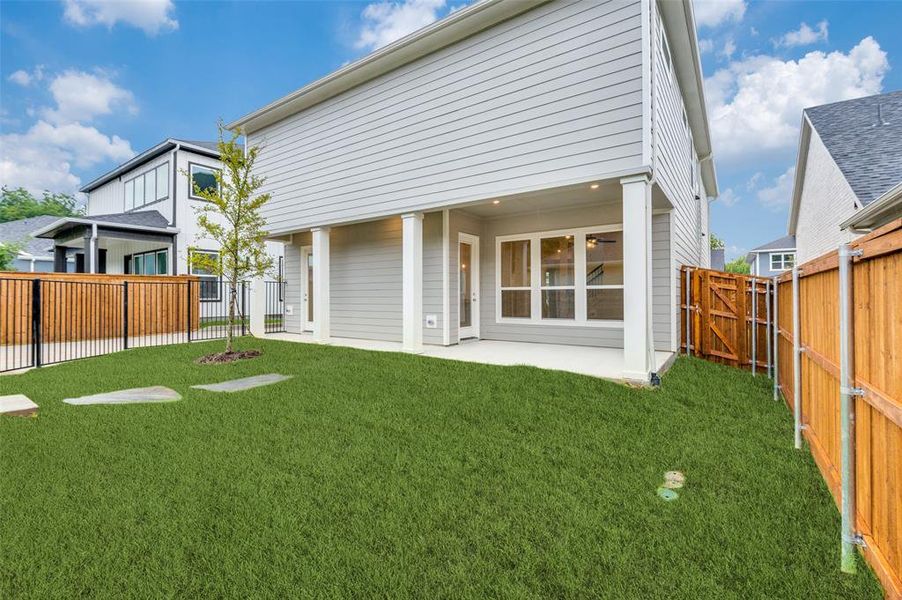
(728, 317)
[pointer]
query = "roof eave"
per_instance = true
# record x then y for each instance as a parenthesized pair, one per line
(454, 27)
(52, 227)
(799, 176)
(148, 155)
(878, 212)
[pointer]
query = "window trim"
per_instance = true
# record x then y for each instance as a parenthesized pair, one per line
(131, 261)
(782, 256)
(216, 277)
(191, 166)
(152, 172)
(581, 318)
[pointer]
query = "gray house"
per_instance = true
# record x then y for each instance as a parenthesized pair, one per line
(523, 171)
(850, 158)
(773, 257)
(36, 254)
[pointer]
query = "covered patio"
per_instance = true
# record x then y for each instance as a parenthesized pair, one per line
(606, 363)
(133, 242)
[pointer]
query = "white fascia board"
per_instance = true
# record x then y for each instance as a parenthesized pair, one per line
(881, 210)
(799, 178)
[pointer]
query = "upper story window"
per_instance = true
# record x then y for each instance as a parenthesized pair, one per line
(781, 261)
(147, 188)
(203, 178)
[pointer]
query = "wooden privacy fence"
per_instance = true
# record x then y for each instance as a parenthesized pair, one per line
(875, 336)
(728, 317)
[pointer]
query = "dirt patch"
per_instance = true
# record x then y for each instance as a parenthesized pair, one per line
(227, 357)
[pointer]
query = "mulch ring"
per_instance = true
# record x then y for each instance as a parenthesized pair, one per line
(227, 357)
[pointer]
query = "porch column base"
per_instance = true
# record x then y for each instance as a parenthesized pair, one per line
(321, 301)
(412, 282)
(258, 307)
(640, 377)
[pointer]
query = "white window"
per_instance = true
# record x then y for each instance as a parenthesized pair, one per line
(155, 262)
(146, 188)
(201, 178)
(162, 181)
(569, 277)
(209, 282)
(781, 261)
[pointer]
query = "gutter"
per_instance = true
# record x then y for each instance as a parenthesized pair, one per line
(877, 213)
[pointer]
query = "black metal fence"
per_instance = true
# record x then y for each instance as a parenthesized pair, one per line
(51, 321)
(274, 316)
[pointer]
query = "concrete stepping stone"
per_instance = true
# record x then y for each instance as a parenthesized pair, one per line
(246, 383)
(155, 393)
(17, 405)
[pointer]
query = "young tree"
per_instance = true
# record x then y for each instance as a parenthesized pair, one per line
(8, 253)
(232, 218)
(738, 266)
(19, 203)
(716, 242)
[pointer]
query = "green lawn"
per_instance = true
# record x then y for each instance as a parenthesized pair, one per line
(381, 474)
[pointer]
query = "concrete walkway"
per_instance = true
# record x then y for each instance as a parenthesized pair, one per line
(155, 393)
(606, 363)
(246, 383)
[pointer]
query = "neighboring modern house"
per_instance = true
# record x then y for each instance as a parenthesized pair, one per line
(140, 217)
(850, 156)
(773, 257)
(521, 170)
(35, 254)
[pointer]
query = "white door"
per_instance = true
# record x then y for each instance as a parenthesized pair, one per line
(468, 286)
(307, 287)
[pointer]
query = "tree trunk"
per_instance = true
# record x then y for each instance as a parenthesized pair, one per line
(231, 327)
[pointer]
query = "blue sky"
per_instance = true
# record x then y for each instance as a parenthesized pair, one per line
(85, 84)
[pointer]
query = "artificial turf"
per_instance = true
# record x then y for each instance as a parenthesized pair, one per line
(383, 474)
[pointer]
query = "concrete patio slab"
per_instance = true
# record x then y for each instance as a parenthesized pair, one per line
(155, 393)
(246, 383)
(17, 405)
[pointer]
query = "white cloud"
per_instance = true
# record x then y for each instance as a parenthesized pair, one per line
(755, 104)
(711, 13)
(152, 16)
(25, 79)
(728, 197)
(385, 22)
(43, 157)
(804, 36)
(82, 96)
(705, 45)
(777, 196)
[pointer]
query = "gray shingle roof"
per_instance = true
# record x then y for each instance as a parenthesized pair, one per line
(146, 218)
(214, 146)
(20, 232)
(787, 241)
(868, 154)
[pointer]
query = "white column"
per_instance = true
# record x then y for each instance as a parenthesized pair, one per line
(638, 350)
(412, 282)
(93, 250)
(258, 307)
(321, 303)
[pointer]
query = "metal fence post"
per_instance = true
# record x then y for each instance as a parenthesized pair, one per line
(243, 294)
(776, 340)
(188, 326)
(847, 393)
(125, 315)
(754, 291)
(688, 312)
(796, 361)
(36, 332)
(767, 324)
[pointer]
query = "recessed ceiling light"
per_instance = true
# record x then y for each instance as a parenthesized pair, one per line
(594, 186)
(496, 201)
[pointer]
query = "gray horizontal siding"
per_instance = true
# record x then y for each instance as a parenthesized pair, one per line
(553, 95)
(365, 280)
(432, 276)
(292, 266)
(662, 283)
